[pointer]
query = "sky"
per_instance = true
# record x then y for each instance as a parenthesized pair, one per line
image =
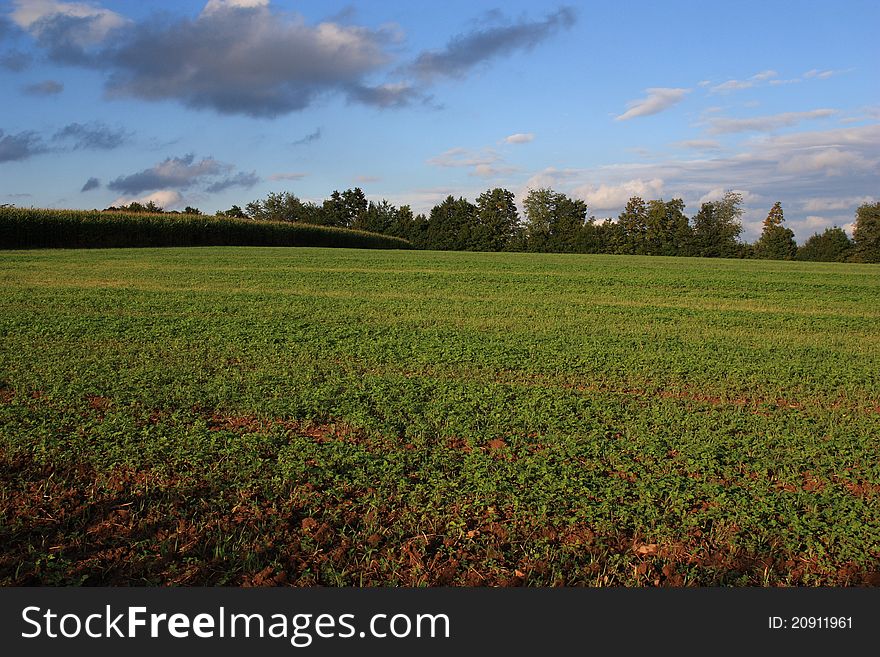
(219, 102)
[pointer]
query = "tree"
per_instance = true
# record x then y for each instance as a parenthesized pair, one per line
(450, 225)
(554, 222)
(717, 227)
(234, 212)
(633, 223)
(191, 210)
(776, 241)
(538, 207)
(866, 233)
(497, 220)
(667, 230)
(831, 246)
(377, 218)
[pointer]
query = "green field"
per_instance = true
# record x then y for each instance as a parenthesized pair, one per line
(346, 417)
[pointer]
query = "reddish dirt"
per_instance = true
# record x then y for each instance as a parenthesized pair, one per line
(68, 524)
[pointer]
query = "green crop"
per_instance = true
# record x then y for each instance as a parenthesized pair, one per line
(28, 228)
(349, 417)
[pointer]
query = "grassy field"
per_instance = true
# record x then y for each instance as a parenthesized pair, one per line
(344, 417)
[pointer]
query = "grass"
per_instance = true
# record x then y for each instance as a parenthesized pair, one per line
(346, 417)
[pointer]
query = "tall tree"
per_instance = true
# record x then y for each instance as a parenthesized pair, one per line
(717, 227)
(866, 233)
(554, 222)
(776, 241)
(497, 220)
(667, 230)
(450, 225)
(538, 207)
(633, 223)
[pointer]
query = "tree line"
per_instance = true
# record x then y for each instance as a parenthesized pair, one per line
(556, 223)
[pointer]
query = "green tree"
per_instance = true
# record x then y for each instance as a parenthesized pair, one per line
(554, 222)
(497, 220)
(667, 231)
(833, 245)
(450, 225)
(234, 212)
(717, 227)
(377, 218)
(633, 223)
(282, 206)
(776, 241)
(866, 233)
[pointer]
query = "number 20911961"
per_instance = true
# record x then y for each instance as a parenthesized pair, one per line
(810, 623)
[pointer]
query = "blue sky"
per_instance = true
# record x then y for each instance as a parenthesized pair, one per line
(214, 103)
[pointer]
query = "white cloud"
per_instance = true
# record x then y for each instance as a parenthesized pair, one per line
(830, 161)
(166, 199)
(35, 15)
(736, 85)
(699, 144)
(657, 100)
(604, 197)
(723, 125)
(484, 163)
(821, 75)
(826, 204)
(221, 5)
(520, 138)
(762, 170)
(731, 85)
(718, 193)
(765, 75)
(287, 176)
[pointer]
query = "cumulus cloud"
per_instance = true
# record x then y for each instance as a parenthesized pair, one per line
(465, 51)
(91, 183)
(241, 179)
(66, 29)
(91, 136)
(723, 125)
(171, 173)
(657, 100)
(44, 88)
(236, 57)
(20, 146)
(604, 197)
(520, 138)
(822, 169)
(164, 198)
(718, 193)
(223, 5)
